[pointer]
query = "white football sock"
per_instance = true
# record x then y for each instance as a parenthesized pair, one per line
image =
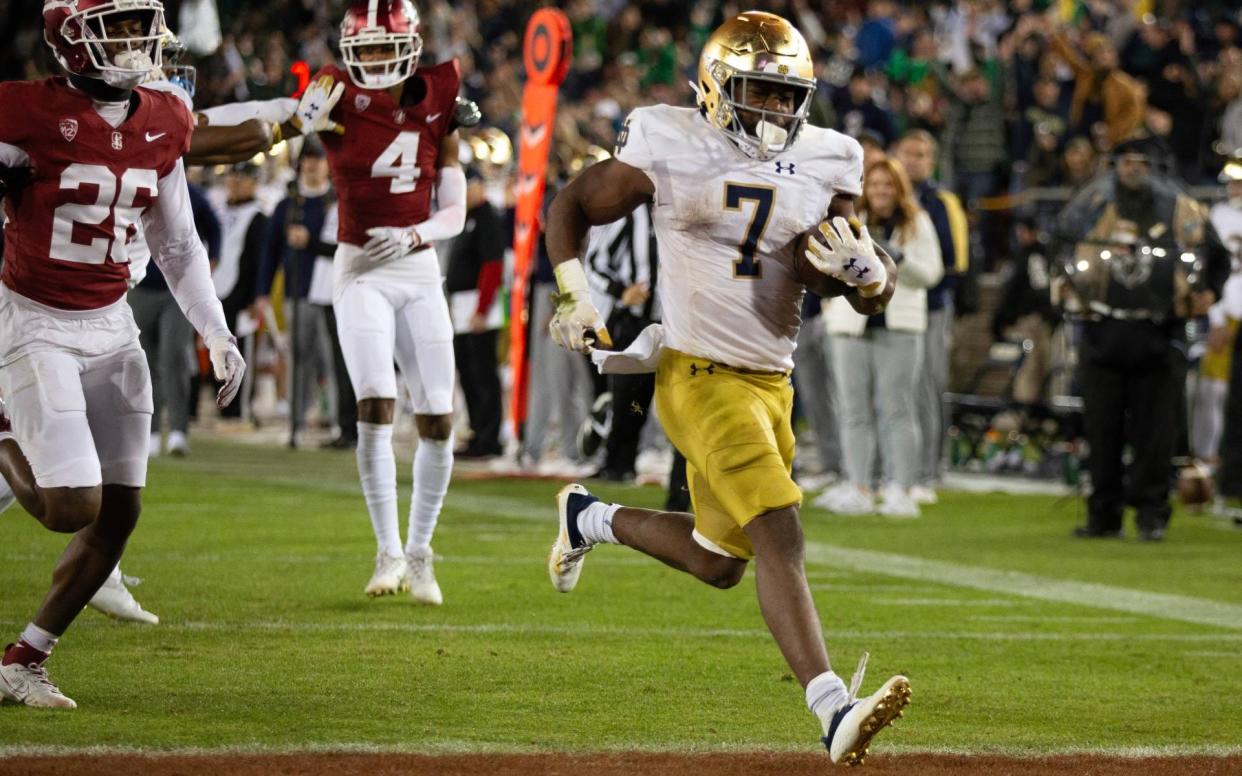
(115, 576)
(595, 523)
(377, 471)
(433, 467)
(824, 695)
(42, 640)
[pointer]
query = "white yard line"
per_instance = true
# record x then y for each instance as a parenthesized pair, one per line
(1182, 608)
(451, 747)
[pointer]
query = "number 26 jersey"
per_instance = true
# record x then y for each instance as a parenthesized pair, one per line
(727, 226)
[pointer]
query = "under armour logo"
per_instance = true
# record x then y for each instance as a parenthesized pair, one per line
(859, 272)
(709, 369)
(780, 167)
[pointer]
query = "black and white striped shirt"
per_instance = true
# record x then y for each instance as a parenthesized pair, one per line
(620, 255)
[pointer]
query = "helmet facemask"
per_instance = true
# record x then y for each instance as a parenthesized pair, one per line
(772, 131)
(120, 59)
(404, 47)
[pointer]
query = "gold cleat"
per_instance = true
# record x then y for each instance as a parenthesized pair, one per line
(856, 723)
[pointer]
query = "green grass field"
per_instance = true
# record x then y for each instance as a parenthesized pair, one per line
(1016, 638)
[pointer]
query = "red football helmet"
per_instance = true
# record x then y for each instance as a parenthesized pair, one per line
(86, 37)
(373, 24)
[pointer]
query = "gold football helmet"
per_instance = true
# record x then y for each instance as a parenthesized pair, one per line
(755, 46)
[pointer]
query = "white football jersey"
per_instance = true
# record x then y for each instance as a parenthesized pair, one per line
(727, 226)
(1228, 223)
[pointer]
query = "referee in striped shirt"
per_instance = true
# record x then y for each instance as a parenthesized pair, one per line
(621, 260)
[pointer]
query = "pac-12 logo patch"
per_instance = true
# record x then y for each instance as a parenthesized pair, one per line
(69, 129)
(361, 102)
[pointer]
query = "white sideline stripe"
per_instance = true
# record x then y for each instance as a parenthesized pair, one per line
(608, 631)
(1183, 608)
(449, 747)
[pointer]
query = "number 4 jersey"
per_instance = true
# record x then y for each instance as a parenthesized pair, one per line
(727, 225)
(70, 229)
(384, 166)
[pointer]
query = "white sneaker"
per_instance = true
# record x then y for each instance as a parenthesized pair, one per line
(812, 482)
(390, 576)
(115, 600)
(923, 495)
(846, 499)
(153, 446)
(7, 496)
(895, 501)
(30, 686)
(178, 444)
(422, 579)
(570, 548)
(853, 725)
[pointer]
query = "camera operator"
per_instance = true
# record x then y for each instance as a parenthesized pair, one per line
(1139, 257)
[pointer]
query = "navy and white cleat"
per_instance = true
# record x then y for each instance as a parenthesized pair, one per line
(858, 720)
(570, 548)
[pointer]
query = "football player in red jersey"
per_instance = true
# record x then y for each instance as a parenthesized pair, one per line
(103, 156)
(399, 146)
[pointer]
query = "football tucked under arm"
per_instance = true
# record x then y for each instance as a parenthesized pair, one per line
(828, 286)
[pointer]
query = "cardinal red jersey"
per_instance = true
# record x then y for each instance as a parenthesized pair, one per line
(384, 166)
(67, 240)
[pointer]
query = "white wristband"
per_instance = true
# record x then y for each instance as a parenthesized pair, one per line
(571, 278)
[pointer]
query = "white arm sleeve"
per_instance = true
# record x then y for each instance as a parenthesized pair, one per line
(450, 217)
(176, 249)
(278, 111)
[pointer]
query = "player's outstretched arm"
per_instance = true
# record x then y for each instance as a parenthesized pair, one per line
(175, 247)
(211, 144)
(600, 194)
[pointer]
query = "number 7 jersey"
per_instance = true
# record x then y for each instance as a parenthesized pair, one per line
(727, 226)
(384, 166)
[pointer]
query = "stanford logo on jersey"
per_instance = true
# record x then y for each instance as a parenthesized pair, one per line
(116, 141)
(69, 128)
(399, 116)
(361, 102)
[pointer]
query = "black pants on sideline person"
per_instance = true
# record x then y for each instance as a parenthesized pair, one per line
(1230, 476)
(346, 402)
(631, 400)
(480, 382)
(1130, 377)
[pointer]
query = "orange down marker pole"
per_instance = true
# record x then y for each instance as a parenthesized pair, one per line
(547, 52)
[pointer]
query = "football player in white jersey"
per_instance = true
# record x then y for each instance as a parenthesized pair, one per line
(736, 184)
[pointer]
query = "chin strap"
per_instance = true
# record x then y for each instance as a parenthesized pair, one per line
(100, 90)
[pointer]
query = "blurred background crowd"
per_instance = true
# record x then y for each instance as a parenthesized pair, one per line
(995, 111)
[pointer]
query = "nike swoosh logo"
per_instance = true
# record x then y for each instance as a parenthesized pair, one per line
(433, 117)
(152, 138)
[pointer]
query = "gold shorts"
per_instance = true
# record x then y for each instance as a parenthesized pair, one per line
(1216, 366)
(734, 428)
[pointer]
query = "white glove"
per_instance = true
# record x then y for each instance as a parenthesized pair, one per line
(229, 366)
(577, 325)
(850, 259)
(317, 102)
(389, 242)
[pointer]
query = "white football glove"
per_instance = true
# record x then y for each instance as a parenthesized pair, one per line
(850, 259)
(229, 366)
(577, 325)
(389, 242)
(317, 102)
